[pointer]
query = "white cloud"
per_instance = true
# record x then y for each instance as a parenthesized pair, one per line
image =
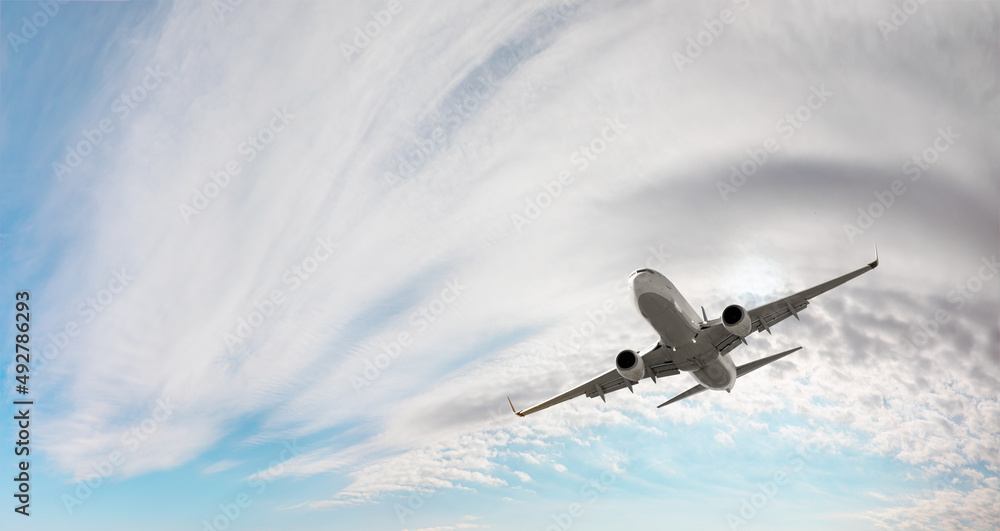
(221, 466)
(724, 438)
(435, 418)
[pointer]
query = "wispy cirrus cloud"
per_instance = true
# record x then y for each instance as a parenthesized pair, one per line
(476, 110)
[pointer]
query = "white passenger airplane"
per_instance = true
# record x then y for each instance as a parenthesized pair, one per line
(689, 343)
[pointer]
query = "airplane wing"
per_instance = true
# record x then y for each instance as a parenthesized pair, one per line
(765, 316)
(654, 357)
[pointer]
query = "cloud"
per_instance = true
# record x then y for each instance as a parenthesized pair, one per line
(221, 466)
(406, 168)
(460, 525)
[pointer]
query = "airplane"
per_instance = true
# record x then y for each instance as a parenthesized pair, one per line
(691, 343)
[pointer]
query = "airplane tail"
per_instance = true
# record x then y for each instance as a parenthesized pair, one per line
(747, 368)
(742, 370)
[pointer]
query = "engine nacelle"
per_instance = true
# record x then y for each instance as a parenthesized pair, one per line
(736, 320)
(630, 365)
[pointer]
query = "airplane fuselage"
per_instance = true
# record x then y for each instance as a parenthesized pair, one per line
(677, 323)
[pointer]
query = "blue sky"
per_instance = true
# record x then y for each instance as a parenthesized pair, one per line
(291, 271)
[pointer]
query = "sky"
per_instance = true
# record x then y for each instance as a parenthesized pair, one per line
(285, 262)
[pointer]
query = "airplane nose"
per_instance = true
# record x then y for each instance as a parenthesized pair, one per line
(639, 282)
(638, 277)
(645, 285)
(640, 273)
(634, 278)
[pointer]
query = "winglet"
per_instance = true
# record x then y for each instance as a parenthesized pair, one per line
(512, 408)
(703, 314)
(874, 264)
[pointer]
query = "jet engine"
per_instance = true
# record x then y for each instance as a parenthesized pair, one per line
(630, 365)
(736, 320)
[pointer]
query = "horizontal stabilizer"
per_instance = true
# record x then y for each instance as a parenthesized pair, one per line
(742, 370)
(690, 392)
(747, 368)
